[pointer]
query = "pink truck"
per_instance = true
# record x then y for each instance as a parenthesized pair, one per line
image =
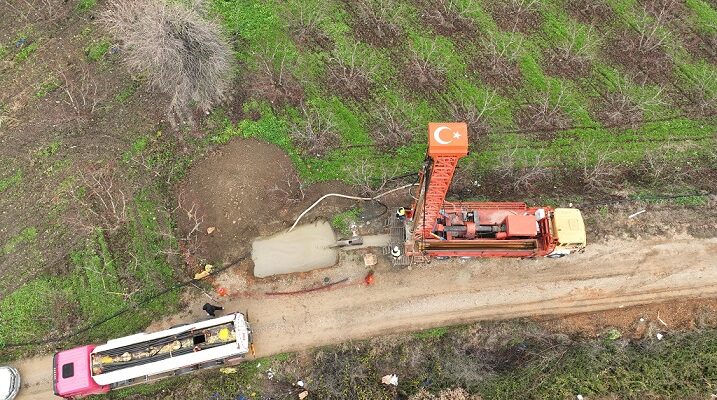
(144, 357)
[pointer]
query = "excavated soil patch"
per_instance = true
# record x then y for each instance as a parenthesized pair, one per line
(241, 190)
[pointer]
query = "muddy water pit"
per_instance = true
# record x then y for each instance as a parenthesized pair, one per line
(306, 248)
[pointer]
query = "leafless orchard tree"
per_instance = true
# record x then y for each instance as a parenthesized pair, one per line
(371, 179)
(382, 16)
(183, 54)
(82, 91)
(352, 72)
(102, 202)
(623, 107)
(546, 113)
(572, 46)
(472, 113)
(598, 172)
(652, 32)
(506, 50)
(704, 94)
(522, 175)
(425, 62)
(389, 129)
(315, 134)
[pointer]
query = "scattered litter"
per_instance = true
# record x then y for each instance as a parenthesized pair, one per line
(210, 230)
(258, 365)
(660, 319)
(228, 370)
(369, 278)
(659, 336)
(270, 374)
(391, 379)
(636, 214)
(642, 319)
(207, 270)
(579, 397)
(300, 383)
(303, 394)
(222, 291)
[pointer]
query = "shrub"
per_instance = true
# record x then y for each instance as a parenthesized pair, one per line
(182, 53)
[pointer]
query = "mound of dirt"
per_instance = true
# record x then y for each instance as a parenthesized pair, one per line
(241, 190)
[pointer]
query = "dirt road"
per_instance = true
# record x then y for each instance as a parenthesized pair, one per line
(606, 276)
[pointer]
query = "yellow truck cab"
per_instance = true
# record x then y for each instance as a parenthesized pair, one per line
(569, 230)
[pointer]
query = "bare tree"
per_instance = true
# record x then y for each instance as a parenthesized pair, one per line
(522, 176)
(428, 67)
(183, 54)
(291, 189)
(82, 91)
(652, 32)
(315, 134)
(389, 129)
(352, 73)
(472, 113)
(102, 202)
(598, 171)
(370, 178)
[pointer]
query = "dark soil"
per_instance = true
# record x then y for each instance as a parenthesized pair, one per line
(644, 63)
(566, 65)
(595, 12)
(500, 74)
(639, 321)
(511, 17)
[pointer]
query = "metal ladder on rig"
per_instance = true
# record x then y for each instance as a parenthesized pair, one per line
(397, 232)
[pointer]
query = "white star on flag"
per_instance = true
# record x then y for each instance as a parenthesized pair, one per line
(456, 135)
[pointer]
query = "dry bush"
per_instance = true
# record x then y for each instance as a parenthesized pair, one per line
(702, 93)
(522, 176)
(389, 129)
(182, 53)
(315, 134)
(597, 172)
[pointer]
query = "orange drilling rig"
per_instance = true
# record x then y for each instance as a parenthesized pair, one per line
(436, 228)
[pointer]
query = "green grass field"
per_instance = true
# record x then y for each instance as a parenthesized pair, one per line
(562, 121)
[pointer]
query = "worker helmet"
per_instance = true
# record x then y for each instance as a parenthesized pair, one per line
(396, 251)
